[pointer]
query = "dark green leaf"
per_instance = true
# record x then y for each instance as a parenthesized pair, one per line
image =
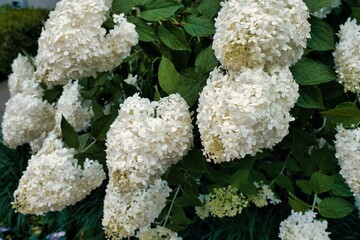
(206, 61)
(298, 205)
(169, 78)
(346, 115)
(69, 134)
(310, 72)
(97, 109)
(160, 9)
(199, 26)
(241, 176)
(305, 186)
(209, 7)
(121, 6)
(101, 126)
(194, 162)
(310, 97)
(335, 207)
(173, 37)
(219, 177)
(322, 35)
(315, 5)
(83, 139)
(146, 33)
(356, 13)
(284, 182)
(321, 183)
(291, 165)
(341, 190)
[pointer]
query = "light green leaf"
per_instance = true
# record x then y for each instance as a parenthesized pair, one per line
(169, 78)
(335, 207)
(69, 134)
(199, 26)
(160, 9)
(206, 61)
(321, 183)
(310, 97)
(174, 38)
(322, 35)
(346, 115)
(297, 204)
(311, 72)
(146, 33)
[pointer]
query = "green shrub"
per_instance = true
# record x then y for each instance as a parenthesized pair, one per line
(19, 31)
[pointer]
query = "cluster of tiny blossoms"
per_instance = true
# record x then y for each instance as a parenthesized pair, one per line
(242, 113)
(323, 12)
(146, 138)
(252, 33)
(54, 180)
(347, 56)
(264, 195)
(158, 233)
(347, 146)
(303, 226)
(74, 44)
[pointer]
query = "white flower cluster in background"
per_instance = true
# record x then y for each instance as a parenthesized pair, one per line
(146, 138)
(347, 56)
(125, 212)
(25, 118)
(347, 145)
(158, 233)
(254, 33)
(22, 78)
(54, 180)
(303, 226)
(77, 111)
(323, 12)
(264, 196)
(74, 44)
(242, 113)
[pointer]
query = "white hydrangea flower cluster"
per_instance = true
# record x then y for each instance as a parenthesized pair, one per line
(253, 33)
(77, 111)
(54, 180)
(347, 56)
(146, 138)
(133, 81)
(323, 12)
(22, 78)
(25, 118)
(242, 113)
(158, 233)
(74, 44)
(347, 145)
(303, 226)
(264, 195)
(125, 212)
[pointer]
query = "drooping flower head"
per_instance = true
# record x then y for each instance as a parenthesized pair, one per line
(242, 113)
(54, 180)
(347, 56)
(146, 138)
(74, 44)
(26, 117)
(303, 226)
(256, 33)
(126, 212)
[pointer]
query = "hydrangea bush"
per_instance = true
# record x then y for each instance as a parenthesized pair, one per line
(164, 116)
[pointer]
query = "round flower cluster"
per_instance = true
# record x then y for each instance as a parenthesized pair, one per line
(347, 56)
(125, 212)
(54, 180)
(22, 78)
(146, 138)
(25, 118)
(323, 12)
(74, 44)
(347, 146)
(242, 113)
(254, 33)
(303, 226)
(158, 233)
(77, 112)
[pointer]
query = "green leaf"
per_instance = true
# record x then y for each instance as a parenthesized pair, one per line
(146, 33)
(355, 13)
(69, 134)
(335, 207)
(341, 190)
(83, 139)
(206, 61)
(160, 9)
(199, 26)
(209, 8)
(190, 88)
(321, 183)
(241, 176)
(310, 97)
(169, 78)
(305, 186)
(346, 115)
(121, 6)
(194, 162)
(315, 5)
(173, 37)
(101, 126)
(284, 182)
(297, 204)
(310, 72)
(97, 109)
(322, 35)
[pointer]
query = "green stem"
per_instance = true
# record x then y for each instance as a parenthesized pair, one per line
(314, 202)
(171, 206)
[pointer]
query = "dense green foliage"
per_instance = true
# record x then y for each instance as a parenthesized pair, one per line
(174, 55)
(19, 31)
